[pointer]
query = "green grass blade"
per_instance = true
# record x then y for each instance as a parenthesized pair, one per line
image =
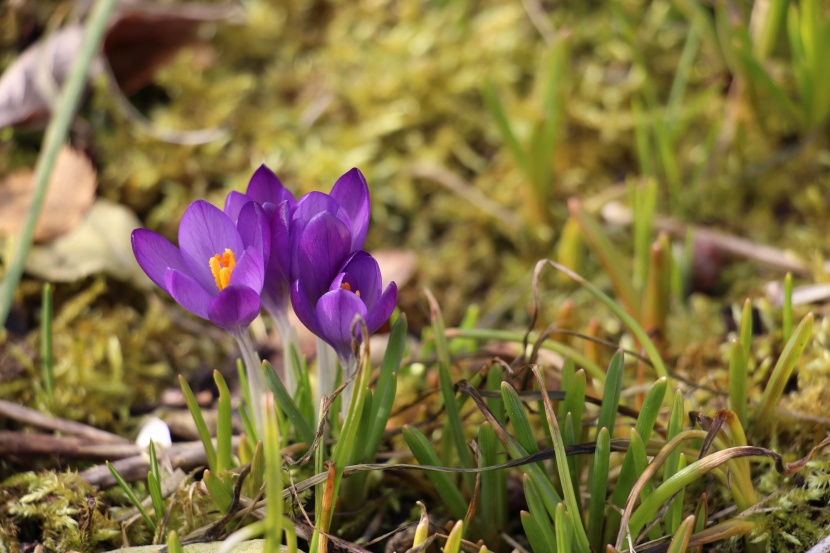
(671, 466)
(386, 387)
(629, 321)
(224, 425)
(46, 359)
(539, 542)
(611, 394)
(173, 543)
(569, 438)
(244, 409)
(257, 476)
(218, 490)
(565, 532)
(782, 371)
(444, 485)
(608, 256)
(453, 544)
(745, 332)
(199, 421)
(539, 513)
(562, 467)
(494, 380)
(286, 403)
(628, 473)
(492, 505)
(131, 496)
(597, 487)
(273, 476)
(493, 103)
(154, 483)
(643, 201)
(453, 417)
(680, 541)
(738, 381)
(521, 424)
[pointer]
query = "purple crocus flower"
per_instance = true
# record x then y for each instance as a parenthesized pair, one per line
(348, 202)
(334, 285)
(217, 272)
(276, 203)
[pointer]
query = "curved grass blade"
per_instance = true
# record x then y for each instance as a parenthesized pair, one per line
(629, 321)
(568, 492)
(782, 371)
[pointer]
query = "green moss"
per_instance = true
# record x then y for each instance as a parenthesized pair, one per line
(58, 510)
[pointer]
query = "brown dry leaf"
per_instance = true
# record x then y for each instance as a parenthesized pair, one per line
(29, 85)
(70, 195)
(141, 37)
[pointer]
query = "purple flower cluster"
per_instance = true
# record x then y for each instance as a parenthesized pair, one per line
(267, 249)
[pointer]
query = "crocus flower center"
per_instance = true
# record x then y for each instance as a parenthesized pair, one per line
(347, 286)
(221, 265)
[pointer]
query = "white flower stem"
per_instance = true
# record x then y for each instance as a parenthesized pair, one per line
(349, 367)
(326, 370)
(288, 337)
(256, 381)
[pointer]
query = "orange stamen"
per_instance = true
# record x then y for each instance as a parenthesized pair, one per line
(347, 286)
(221, 265)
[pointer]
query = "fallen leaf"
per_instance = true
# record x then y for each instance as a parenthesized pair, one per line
(29, 86)
(69, 197)
(140, 38)
(101, 243)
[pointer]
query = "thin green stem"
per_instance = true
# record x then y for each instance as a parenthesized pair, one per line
(256, 380)
(53, 140)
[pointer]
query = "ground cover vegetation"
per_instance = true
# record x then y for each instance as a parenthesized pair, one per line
(533, 276)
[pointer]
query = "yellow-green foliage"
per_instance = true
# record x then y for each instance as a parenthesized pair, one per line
(59, 510)
(798, 517)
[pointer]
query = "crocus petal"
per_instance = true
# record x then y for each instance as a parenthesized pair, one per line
(366, 271)
(155, 254)
(265, 186)
(280, 238)
(336, 311)
(304, 308)
(346, 281)
(278, 265)
(352, 193)
(205, 231)
(323, 246)
(249, 271)
(234, 203)
(255, 228)
(383, 310)
(188, 293)
(313, 203)
(236, 305)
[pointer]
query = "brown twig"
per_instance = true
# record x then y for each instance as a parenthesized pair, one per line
(29, 416)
